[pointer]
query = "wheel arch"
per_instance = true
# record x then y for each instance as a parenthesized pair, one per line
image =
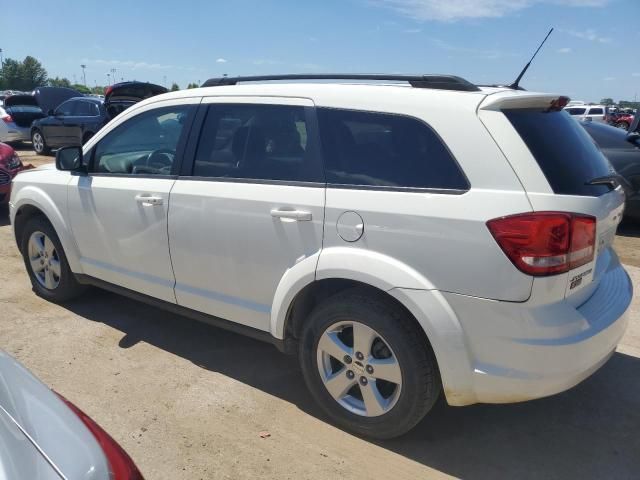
(393, 281)
(31, 201)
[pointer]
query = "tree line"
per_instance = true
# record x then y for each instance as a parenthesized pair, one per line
(29, 73)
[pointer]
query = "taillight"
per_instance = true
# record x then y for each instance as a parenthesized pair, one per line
(546, 243)
(7, 119)
(122, 467)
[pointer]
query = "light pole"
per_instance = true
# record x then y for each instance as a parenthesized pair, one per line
(164, 78)
(108, 79)
(84, 75)
(113, 75)
(1, 59)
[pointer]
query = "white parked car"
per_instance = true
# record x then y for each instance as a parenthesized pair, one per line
(409, 239)
(595, 113)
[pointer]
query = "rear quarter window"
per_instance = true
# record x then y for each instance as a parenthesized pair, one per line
(566, 154)
(385, 150)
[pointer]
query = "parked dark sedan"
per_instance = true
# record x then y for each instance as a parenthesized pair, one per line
(71, 123)
(75, 121)
(623, 151)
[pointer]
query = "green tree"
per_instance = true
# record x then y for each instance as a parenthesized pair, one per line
(175, 87)
(10, 75)
(607, 101)
(33, 74)
(81, 88)
(193, 85)
(98, 90)
(25, 75)
(59, 82)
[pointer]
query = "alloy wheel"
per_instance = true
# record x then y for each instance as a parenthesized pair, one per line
(44, 260)
(359, 369)
(38, 142)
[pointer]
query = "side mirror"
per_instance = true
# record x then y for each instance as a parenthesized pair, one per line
(70, 159)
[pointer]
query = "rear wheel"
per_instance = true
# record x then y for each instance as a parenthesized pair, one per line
(46, 262)
(39, 143)
(368, 366)
(623, 125)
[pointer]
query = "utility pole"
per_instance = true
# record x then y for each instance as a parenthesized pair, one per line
(1, 59)
(113, 75)
(164, 79)
(108, 79)
(84, 75)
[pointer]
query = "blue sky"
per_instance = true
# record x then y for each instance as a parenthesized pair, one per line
(592, 54)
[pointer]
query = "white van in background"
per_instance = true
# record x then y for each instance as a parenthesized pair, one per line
(597, 113)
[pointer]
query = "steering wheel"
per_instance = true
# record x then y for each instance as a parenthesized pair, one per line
(160, 159)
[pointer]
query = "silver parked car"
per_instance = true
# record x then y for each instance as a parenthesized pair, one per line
(43, 436)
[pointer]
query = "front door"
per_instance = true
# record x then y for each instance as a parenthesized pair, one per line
(118, 212)
(53, 127)
(250, 208)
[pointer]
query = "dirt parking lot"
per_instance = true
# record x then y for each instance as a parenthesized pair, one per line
(188, 401)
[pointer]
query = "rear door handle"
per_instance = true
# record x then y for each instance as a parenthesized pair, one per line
(149, 200)
(299, 215)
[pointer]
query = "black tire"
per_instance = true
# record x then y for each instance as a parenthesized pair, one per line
(623, 125)
(39, 146)
(421, 384)
(68, 287)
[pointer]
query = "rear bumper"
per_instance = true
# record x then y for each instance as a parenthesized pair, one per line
(519, 351)
(15, 134)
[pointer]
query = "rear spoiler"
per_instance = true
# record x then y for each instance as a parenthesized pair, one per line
(511, 99)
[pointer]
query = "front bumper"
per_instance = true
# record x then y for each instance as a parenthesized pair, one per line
(520, 352)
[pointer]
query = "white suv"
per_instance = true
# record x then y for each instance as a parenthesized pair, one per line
(406, 239)
(595, 113)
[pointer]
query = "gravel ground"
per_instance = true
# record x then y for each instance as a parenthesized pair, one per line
(189, 401)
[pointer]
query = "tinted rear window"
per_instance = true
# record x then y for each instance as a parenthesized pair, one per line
(566, 153)
(596, 111)
(385, 150)
(576, 111)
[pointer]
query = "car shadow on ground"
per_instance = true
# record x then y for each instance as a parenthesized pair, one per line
(590, 431)
(4, 215)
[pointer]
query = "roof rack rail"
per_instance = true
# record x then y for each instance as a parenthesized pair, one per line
(441, 82)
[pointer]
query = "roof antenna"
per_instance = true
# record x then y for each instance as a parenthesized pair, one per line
(516, 85)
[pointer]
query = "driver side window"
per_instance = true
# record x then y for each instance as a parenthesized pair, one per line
(145, 144)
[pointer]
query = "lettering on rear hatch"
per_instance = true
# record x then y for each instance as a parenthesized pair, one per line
(577, 280)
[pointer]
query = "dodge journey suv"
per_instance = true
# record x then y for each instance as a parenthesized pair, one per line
(406, 236)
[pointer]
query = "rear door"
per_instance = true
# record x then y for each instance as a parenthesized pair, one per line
(556, 161)
(84, 113)
(249, 208)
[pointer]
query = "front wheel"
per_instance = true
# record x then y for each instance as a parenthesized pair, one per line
(46, 263)
(368, 365)
(39, 143)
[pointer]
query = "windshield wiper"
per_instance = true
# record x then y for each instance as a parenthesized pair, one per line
(612, 181)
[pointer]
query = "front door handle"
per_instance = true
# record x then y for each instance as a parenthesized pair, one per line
(149, 200)
(298, 215)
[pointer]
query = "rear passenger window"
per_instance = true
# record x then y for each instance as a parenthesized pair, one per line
(87, 109)
(576, 111)
(262, 142)
(384, 150)
(596, 111)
